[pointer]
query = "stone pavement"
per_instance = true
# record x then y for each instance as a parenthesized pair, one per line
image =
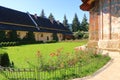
(110, 71)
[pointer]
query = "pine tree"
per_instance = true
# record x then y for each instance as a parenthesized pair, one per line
(42, 14)
(75, 24)
(84, 24)
(51, 17)
(65, 21)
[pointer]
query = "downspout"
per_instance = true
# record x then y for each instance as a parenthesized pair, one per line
(33, 20)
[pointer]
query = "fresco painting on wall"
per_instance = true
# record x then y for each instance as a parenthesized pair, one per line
(106, 16)
(115, 18)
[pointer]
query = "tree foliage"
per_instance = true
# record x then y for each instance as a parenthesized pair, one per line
(51, 17)
(42, 14)
(13, 35)
(65, 21)
(84, 24)
(2, 35)
(78, 34)
(81, 35)
(75, 24)
(30, 37)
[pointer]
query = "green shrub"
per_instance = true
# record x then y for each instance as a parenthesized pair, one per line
(78, 35)
(30, 37)
(4, 60)
(55, 37)
(81, 35)
(85, 36)
(53, 41)
(2, 35)
(5, 44)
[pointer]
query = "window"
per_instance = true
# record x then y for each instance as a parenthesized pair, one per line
(41, 35)
(8, 34)
(47, 38)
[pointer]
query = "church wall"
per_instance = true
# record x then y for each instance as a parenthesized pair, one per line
(109, 25)
(104, 28)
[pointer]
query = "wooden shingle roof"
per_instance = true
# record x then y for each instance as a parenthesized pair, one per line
(15, 20)
(87, 5)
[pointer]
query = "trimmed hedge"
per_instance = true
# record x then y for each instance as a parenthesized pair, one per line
(5, 44)
(53, 41)
(8, 44)
(4, 60)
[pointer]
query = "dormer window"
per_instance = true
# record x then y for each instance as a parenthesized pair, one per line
(35, 15)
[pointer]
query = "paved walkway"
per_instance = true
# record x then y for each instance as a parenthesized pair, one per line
(111, 71)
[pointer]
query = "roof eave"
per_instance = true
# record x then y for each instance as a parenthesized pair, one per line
(87, 5)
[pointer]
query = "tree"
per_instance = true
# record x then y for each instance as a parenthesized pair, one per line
(30, 37)
(13, 35)
(78, 34)
(75, 24)
(65, 21)
(2, 35)
(84, 24)
(42, 14)
(51, 17)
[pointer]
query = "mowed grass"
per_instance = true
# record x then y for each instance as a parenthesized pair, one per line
(21, 54)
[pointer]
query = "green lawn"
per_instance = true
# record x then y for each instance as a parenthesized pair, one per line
(21, 54)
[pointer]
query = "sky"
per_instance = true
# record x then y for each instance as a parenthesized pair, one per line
(58, 8)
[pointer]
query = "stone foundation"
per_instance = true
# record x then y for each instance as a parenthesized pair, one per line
(113, 45)
(92, 44)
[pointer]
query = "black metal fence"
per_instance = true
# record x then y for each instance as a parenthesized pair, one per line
(66, 73)
(35, 74)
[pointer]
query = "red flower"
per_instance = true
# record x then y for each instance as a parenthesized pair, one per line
(38, 54)
(52, 54)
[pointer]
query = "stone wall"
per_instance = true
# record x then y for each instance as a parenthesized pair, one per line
(39, 36)
(42, 36)
(21, 34)
(104, 26)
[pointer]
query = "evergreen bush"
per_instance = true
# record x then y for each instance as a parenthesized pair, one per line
(2, 36)
(4, 60)
(55, 37)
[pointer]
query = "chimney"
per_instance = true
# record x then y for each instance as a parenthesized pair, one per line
(51, 20)
(35, 15)
(58, 22)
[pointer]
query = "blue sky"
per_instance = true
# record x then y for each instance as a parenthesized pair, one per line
(57, 7)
